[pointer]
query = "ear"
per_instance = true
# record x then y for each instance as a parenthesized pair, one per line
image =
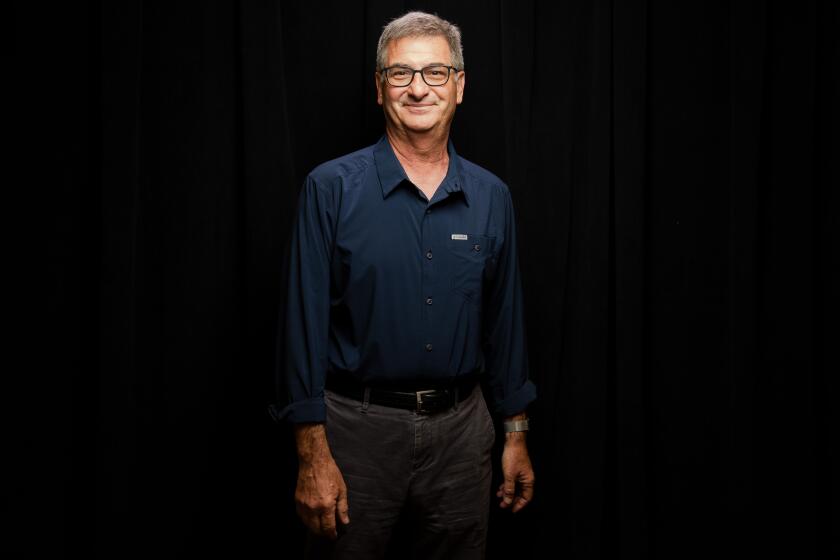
(378, 79)
(462, 81)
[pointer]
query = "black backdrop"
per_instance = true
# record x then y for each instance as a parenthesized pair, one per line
(674, 167)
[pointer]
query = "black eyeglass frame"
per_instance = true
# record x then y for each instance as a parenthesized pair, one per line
(413, 71)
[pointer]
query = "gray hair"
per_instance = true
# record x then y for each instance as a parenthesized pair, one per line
(421, 24)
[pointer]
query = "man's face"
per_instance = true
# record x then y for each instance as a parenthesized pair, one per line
(419, 107)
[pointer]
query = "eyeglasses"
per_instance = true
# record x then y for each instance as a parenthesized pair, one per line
(401, 76)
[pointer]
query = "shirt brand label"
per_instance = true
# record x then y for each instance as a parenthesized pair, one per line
(459, 236)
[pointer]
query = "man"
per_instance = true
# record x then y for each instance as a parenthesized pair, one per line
(404, 294)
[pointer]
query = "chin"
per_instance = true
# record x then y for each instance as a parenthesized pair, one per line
(420, 124)
(419, 128)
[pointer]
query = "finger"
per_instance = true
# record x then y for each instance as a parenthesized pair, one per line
(524, 495)
(508, 490)
(520, 503)
(501, 491)
(527, 491)
(328, 524)
(342, 506)
(312, 522)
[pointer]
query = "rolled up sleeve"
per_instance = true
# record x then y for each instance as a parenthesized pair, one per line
(304, 322)
(504, 344)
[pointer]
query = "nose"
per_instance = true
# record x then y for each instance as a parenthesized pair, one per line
(418, 88)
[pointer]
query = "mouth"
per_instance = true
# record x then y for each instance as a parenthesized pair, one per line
(418, 108)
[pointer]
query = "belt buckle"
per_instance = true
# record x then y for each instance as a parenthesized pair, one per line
(420, 394)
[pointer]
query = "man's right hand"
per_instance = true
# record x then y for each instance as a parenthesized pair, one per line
(321, 494)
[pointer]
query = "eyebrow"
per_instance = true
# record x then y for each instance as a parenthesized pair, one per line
(404, 65)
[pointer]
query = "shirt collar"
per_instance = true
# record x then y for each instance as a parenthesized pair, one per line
(391, 172)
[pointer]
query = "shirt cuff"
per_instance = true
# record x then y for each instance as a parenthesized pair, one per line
(309, 410)
(518, 401)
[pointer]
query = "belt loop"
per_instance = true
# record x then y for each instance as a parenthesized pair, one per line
(366, 400)
(457, 402)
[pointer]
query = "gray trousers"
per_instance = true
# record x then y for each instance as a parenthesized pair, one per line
(437, 465)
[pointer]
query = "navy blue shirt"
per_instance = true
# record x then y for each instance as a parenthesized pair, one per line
(386, 285)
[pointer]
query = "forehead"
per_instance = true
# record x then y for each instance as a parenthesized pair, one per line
(418, 51)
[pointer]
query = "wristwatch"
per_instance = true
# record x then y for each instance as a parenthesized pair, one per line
(516, 426)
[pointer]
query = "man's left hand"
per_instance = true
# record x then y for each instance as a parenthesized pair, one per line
(518, 486)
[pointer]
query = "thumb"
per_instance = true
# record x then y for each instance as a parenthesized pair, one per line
(510, 488)
(342, 505)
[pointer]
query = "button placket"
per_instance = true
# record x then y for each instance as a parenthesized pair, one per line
(429, 268)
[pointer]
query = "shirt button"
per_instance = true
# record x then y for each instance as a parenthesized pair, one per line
(429, 347)
(428, 210)
(429, 301)
(477, 247)
(429, 254)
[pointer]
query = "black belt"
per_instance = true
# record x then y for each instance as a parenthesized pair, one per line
(411, 398)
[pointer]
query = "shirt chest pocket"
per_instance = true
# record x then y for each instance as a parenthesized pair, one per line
(469, 259)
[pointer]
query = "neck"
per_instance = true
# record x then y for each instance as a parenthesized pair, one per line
(419, 150)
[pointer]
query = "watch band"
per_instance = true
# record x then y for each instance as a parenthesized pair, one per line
(516, 426)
